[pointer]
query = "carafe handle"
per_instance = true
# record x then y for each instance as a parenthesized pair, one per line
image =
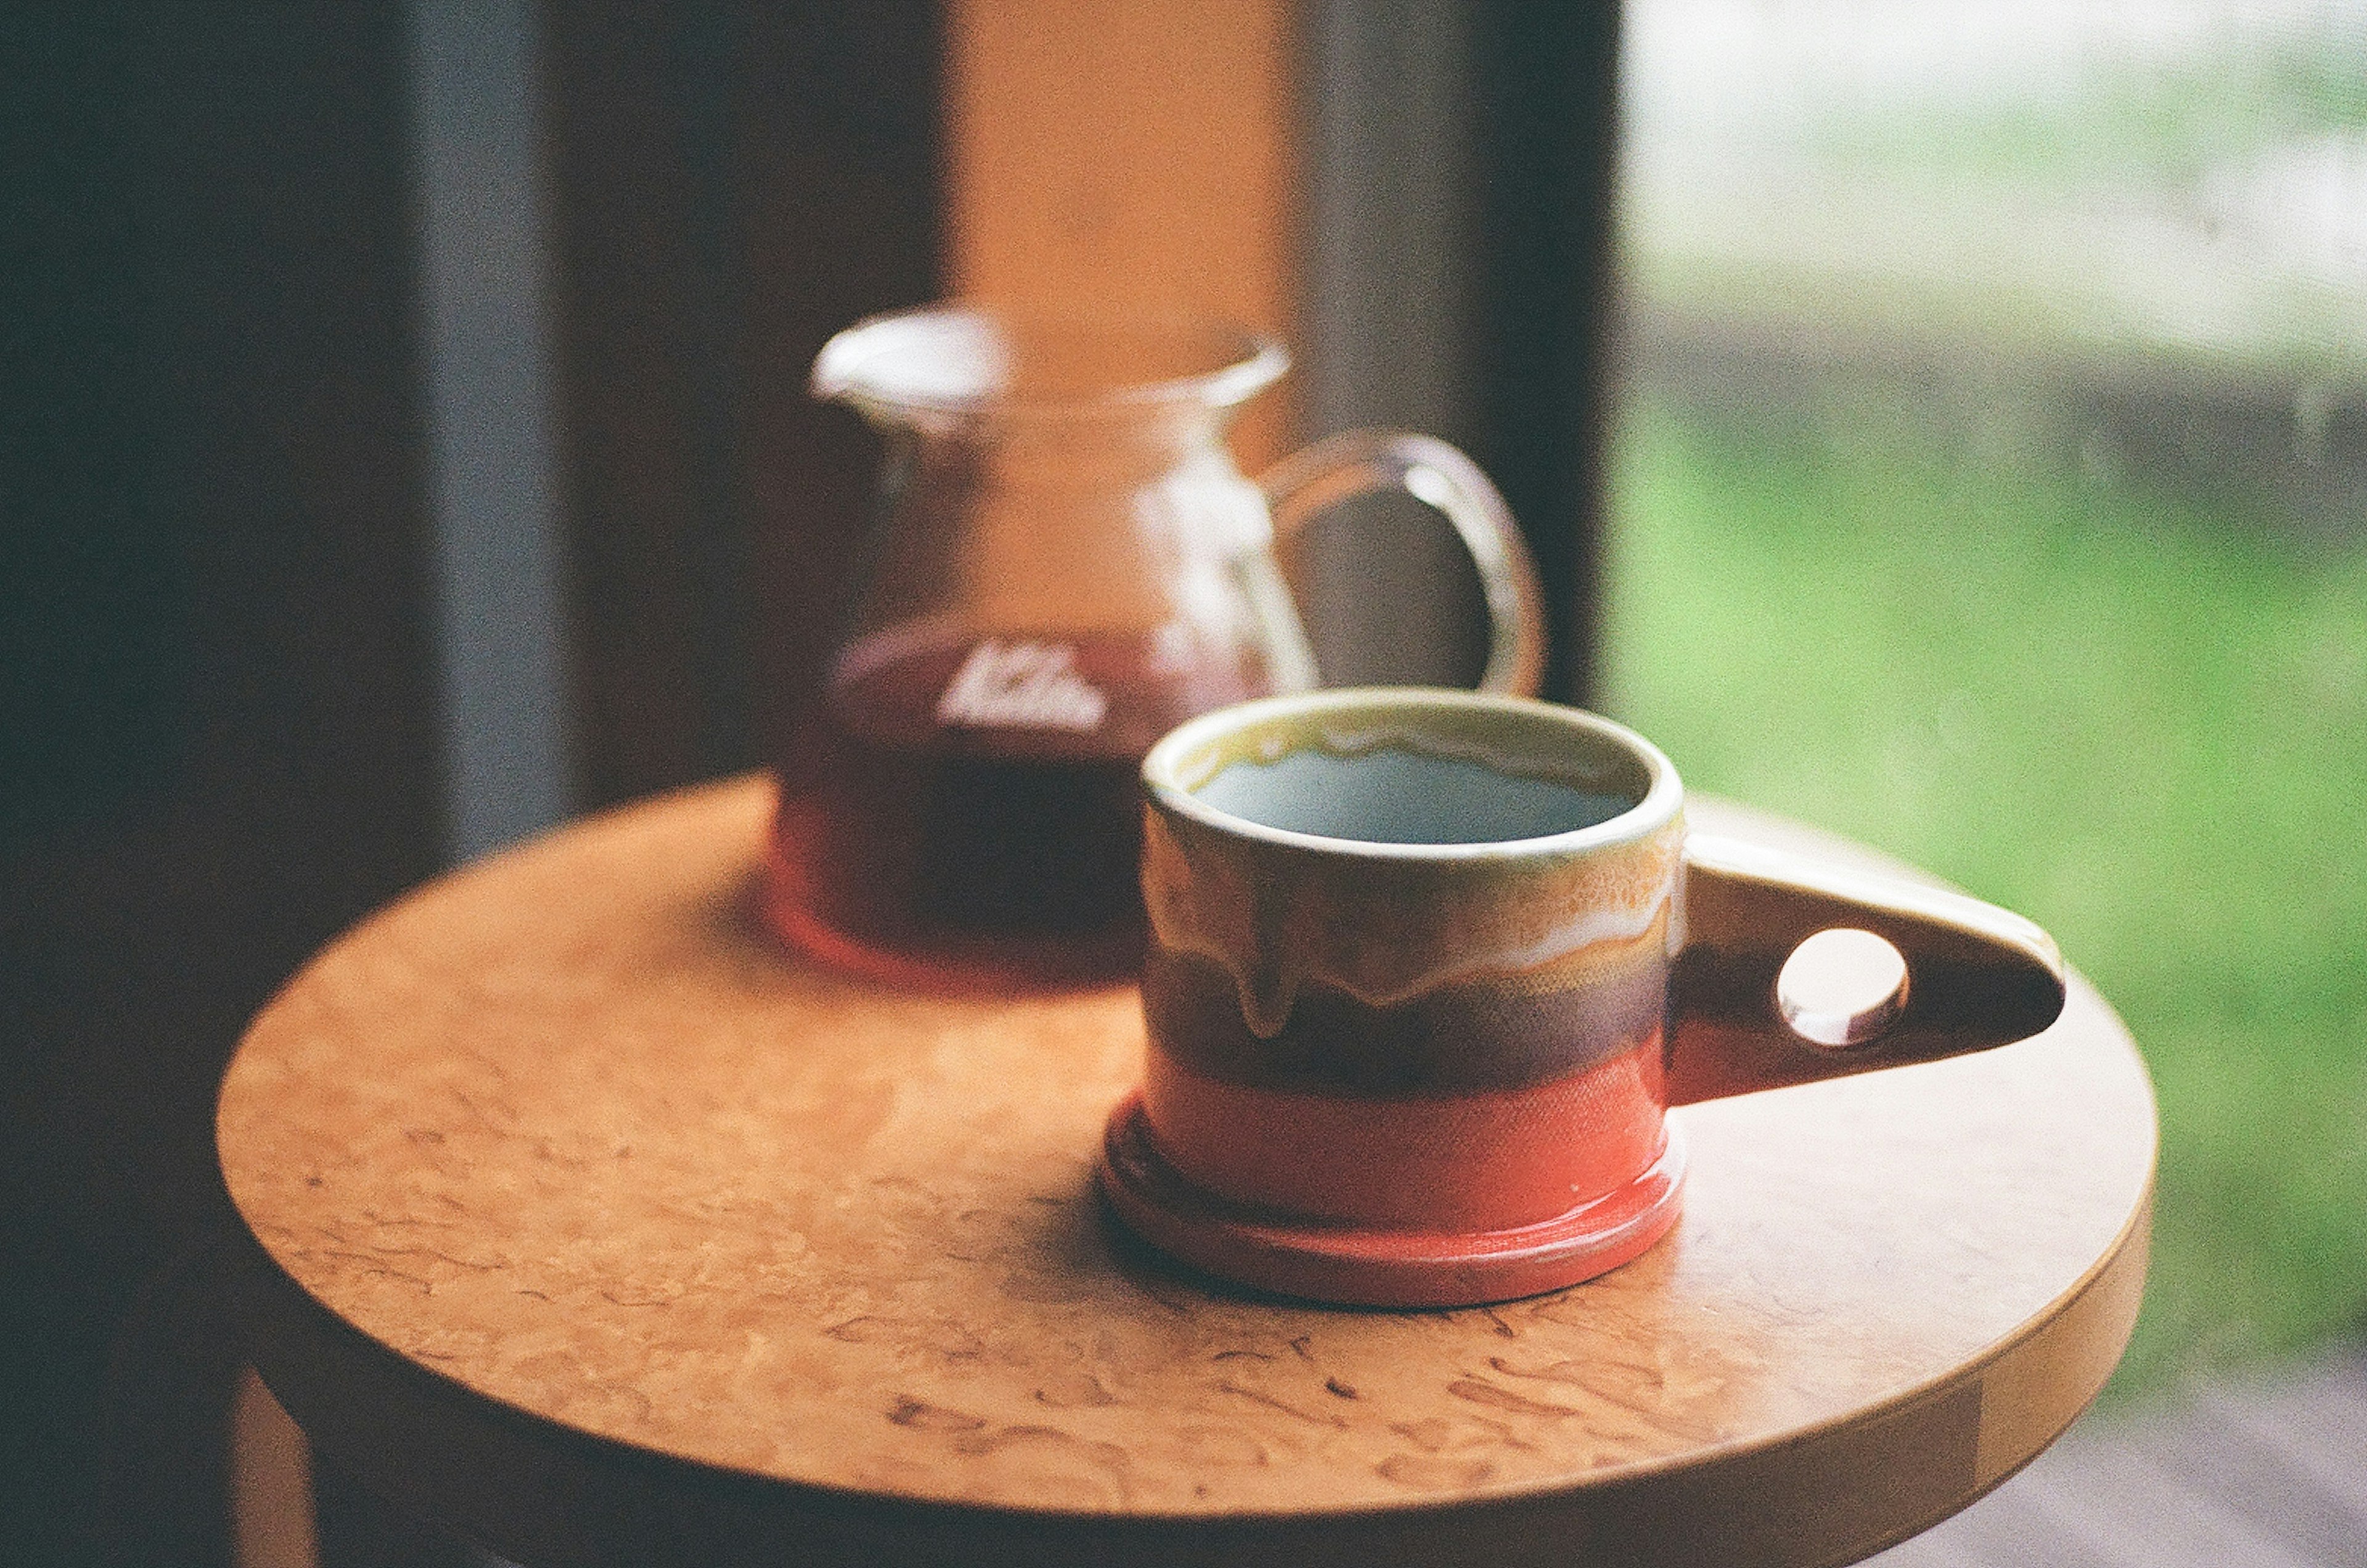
(1358, 462)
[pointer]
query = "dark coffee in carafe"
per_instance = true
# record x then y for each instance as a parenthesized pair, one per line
(970, 811)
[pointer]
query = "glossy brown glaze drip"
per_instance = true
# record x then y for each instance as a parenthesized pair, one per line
(1496, 1033)
(1391, 929)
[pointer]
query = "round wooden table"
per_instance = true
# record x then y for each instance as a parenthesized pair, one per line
(599, 1228)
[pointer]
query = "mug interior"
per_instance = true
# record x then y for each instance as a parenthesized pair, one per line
(1409, 768)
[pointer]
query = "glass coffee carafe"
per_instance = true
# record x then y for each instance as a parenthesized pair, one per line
(1066, 564)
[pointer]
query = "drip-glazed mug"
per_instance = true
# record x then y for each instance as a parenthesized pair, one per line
(1427, 969)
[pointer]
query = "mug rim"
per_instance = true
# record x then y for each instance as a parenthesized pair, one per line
(1663, 796)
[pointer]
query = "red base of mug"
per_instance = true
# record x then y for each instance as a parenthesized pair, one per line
(1330, 1260)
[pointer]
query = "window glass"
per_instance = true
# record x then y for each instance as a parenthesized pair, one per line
(1991, 484)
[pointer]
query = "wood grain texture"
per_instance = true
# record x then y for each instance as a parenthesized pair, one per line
(713, 1255)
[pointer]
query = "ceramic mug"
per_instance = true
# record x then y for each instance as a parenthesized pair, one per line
(1427, 968)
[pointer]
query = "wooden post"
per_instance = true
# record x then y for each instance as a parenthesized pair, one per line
(1137, 154)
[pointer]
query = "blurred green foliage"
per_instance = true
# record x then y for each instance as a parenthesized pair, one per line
(2140, 719)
